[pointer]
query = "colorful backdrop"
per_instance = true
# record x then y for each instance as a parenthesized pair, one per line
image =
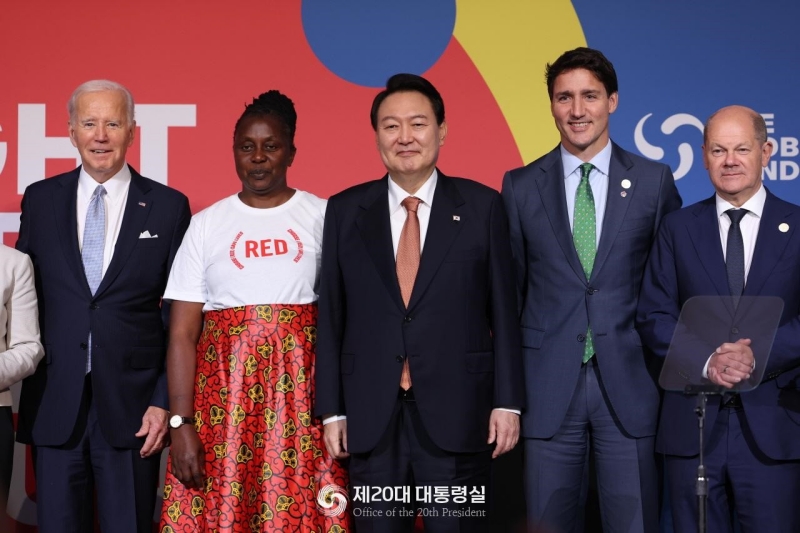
(193, 65)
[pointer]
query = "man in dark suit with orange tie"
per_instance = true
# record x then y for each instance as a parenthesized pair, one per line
(102, 239)
(418, 360)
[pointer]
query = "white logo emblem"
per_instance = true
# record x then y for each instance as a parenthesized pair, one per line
(332, 499)
(667, 127)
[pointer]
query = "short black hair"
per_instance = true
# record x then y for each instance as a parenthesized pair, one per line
(400, 83)
(586, 58)
(272, 103)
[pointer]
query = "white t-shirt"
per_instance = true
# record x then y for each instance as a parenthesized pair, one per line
(234, 254)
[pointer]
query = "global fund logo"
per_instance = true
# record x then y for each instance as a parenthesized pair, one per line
(783, 166)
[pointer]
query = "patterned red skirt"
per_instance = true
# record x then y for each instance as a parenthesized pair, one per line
(265, 459)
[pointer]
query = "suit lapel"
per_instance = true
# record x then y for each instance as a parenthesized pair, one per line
(551, 190)
(616, 205)
(705, 238)
(442, 230)
(137, 208)
(65, 209)
(770, 243)
(376, 231)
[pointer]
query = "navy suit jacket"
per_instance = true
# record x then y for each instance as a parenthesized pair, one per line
(459, 331)
(687, 261)
(558, 303)
(124, 316)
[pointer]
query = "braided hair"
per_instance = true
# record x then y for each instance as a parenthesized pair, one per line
(274, 103)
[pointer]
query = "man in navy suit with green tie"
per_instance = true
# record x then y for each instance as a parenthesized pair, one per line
(582, 220)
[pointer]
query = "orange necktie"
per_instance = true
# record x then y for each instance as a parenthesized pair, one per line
(407, 265)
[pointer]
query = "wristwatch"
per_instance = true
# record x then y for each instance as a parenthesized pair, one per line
(177, 421)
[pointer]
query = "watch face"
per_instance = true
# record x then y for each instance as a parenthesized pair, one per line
(175, 422)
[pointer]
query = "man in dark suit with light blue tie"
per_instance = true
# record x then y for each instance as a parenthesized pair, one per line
(582, 220)
(101, 239)
(741, 242)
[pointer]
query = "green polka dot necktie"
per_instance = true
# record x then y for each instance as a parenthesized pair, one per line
(584, 235)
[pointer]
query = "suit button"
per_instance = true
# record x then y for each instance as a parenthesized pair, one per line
(581, 337)
(84, 346)
(399, 358)
(407, 319)
(735, 331)
(93, 307)
(590, 291)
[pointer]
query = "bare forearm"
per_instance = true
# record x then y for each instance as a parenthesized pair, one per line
(185, 329)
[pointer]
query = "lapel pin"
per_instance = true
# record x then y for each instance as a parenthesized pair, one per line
(624, 193)
(626, 184)
(783, 228)
(457, 218)
(142, 204)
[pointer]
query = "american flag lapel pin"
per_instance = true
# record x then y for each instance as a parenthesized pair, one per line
(456, 218)
(142, 204)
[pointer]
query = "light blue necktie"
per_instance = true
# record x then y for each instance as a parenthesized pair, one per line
(94, 241)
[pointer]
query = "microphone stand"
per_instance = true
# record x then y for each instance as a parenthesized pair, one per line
(701, 485)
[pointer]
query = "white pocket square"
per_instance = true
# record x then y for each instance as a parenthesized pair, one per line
(146, 235)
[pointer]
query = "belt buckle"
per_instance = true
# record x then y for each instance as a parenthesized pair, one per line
(732, 401)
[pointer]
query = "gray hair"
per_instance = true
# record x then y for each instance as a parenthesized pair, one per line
(95, 86)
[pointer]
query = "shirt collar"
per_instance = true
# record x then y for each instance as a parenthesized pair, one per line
(601, 161)
(755, 204)
(424, 193)
(115, 187)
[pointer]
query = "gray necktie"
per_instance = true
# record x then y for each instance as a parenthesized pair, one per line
(94, 242)
(734, 254)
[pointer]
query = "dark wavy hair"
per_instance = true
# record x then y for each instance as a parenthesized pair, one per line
(586, 58)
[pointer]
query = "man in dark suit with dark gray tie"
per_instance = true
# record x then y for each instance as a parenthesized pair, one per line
(101, 239)
(582, 220)
(741, 242)
(418, 362)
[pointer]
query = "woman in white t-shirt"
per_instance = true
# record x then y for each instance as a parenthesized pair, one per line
(247, 454)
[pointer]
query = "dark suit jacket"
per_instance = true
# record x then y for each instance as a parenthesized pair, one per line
(459, 331)
(125, 316)
(687, 261)
(558, 302)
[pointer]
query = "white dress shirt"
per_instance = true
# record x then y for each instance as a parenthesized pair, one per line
(116, 195)
(397, 217)
(749, 226)
(398, 213)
